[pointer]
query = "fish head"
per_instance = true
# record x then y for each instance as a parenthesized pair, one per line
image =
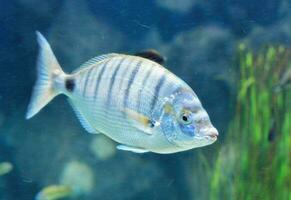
(185, 122)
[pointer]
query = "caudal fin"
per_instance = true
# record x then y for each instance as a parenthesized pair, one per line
(48, 69)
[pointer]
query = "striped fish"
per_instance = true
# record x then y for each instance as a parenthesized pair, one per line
(131, 99)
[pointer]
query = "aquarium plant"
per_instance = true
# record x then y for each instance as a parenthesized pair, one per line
(255, 161)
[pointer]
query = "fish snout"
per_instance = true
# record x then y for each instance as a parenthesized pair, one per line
(212, 133)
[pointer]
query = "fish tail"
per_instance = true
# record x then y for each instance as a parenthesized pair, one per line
(50, 77)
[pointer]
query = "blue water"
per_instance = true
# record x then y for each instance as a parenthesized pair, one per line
(199, 42)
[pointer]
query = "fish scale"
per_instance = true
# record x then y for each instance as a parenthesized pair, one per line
(112, 87)
(99, 112)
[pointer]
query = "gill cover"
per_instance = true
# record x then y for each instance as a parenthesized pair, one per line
(178, 124)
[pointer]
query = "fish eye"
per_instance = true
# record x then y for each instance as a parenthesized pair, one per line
(186, 118)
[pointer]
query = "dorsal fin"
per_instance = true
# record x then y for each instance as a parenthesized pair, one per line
(152, 55)
(95, 60)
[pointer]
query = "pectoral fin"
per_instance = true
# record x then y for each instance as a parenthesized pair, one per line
(132, 149)
(140, 121)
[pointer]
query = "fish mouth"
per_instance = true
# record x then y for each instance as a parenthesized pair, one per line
(211, 137)
(211, 134)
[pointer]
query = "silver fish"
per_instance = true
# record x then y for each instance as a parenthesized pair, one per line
(133, 100)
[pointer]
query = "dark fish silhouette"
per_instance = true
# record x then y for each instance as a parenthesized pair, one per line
(272, 132)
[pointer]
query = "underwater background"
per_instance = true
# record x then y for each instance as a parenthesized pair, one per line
(235, 54)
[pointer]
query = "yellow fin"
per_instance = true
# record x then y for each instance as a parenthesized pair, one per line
(140, 121)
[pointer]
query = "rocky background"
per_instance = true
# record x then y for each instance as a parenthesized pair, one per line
(199, 40)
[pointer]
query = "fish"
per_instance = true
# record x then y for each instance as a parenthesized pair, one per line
(55, 192)
(5, 168)
(133, 100)
(272, 132)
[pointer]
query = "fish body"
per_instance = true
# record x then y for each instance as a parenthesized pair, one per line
(133, 100)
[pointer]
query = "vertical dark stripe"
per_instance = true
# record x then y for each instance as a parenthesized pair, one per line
(112, 81)
(144, 82)
(123, 75)
(98, 80)
(87, 77)
(131, 79)
(157, 91)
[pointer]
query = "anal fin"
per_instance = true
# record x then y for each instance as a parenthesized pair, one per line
(132, 149)
(84, 122)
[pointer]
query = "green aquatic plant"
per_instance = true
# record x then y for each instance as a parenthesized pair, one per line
(255, 162)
